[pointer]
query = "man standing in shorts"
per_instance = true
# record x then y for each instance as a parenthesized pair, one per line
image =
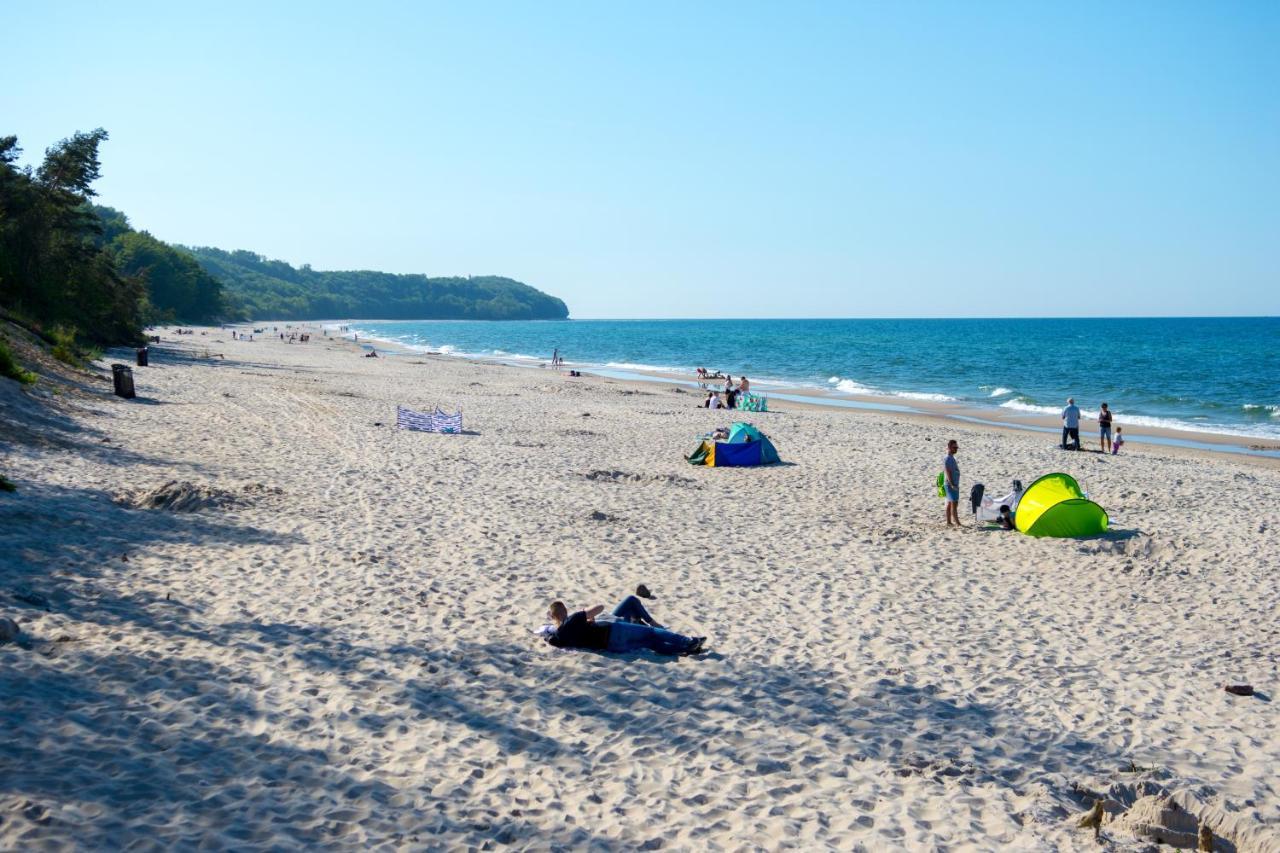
(1071, 425)
(951, 483)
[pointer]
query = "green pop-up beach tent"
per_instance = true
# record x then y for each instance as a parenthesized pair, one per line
(1055, 505)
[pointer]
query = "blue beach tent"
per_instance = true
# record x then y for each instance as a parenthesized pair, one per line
(746, 446)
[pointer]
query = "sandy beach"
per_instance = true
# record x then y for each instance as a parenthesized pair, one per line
(255, 615)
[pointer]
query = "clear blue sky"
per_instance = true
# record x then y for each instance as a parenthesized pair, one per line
(695, 159)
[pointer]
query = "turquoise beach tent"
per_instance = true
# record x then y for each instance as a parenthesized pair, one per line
(746, 446)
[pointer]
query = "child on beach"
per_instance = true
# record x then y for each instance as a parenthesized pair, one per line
(1117, 442)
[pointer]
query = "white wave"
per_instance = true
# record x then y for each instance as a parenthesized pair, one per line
(1000, 392)
(653, 368)
(1273, 411)
(922, 395)
(1129, 421)
(1018, 405)
(447, 349)
(1253, 431)
(848, 386)
(834, 379)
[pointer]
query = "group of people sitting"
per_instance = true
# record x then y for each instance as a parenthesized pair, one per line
(729, 400)
(629, 628)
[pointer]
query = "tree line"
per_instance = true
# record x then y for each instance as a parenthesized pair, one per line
(70, 265)
(258, 287)
(81, 269)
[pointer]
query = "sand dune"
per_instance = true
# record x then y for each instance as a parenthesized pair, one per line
(340, 654)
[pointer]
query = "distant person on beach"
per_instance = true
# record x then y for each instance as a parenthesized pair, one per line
(714, 402)
(951, 483)
(1119, 442)
(555, 357)
(706, 404)
(1104, 429)
(1071, 425)
(630, 630)
(744, 386)
(1005, 520)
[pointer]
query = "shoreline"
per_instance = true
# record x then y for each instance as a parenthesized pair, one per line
(1262, 450)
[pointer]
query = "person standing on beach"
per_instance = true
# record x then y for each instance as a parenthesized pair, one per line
(729, 393)
(1104, 429)
(1071, 425)
(951, 483)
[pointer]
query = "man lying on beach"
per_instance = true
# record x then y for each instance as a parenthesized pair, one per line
(630, 629)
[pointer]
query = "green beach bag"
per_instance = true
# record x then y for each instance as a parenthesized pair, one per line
(942, 484)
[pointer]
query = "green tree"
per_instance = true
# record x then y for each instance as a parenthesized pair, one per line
(53, 267)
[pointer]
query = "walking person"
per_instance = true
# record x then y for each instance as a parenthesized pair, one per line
(1104, 429)
(1071, 425)
(951, 483)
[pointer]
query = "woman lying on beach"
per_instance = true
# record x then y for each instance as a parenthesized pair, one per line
(630, 629)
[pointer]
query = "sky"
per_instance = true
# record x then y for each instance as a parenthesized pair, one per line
(695, 159)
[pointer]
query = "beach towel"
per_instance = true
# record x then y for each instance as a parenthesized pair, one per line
(436, 421)
(752, 403)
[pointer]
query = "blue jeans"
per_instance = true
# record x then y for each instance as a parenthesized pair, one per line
(631, 610)
(630, 637)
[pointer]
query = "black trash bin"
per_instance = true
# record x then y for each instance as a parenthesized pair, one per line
(143, 354)
(122, 376)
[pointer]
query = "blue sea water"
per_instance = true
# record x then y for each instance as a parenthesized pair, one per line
(1219, 375)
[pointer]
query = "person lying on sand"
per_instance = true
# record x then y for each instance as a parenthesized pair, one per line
(630, 629)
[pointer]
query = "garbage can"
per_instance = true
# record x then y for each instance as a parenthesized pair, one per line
(143, 353)
(122, 376)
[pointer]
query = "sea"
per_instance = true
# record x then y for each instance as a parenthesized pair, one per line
(1214, 375)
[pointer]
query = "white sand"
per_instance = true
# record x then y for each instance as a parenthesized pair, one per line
(336, 651)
